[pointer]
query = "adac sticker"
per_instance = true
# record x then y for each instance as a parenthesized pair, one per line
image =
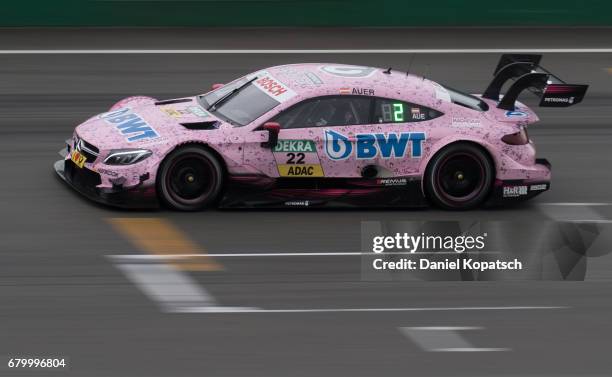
(130, 124)
(297, 158)
(369, 146)
(306, 170)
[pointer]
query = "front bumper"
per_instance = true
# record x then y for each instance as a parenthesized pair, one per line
(505, 191)
(85, 182)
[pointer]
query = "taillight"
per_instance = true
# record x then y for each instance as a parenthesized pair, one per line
(519, 138)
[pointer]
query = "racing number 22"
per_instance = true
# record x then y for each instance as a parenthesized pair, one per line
(295, 158)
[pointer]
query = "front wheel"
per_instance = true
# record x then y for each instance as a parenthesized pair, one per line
(459, 177)
(190, 179)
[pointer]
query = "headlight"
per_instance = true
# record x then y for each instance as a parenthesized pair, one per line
(127, 156)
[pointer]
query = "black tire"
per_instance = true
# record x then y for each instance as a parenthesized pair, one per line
(190, 179)
(459, 177)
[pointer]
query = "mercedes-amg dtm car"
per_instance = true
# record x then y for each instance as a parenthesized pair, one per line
(320, 134)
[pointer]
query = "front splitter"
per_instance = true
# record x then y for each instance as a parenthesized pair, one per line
(143, 197)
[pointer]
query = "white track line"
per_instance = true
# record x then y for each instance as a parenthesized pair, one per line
(313, 51)
(596, 221)
(575, 204)
(574, 213)
(445, 339)
(170, 288)
(207, 309)
(469, 349)
(255, 255)
(446, 328)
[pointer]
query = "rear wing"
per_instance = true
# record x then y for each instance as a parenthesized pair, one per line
(527, 73)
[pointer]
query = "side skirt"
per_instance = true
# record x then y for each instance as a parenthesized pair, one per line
(256, 191)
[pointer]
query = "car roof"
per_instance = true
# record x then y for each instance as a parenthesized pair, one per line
(309, 78)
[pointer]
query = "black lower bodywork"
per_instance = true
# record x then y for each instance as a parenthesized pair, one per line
(259, 191)
(249, 191)
(85, 181)
(521, 189)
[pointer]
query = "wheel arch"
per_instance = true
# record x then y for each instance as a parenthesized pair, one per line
(442, 144)
(196, 143)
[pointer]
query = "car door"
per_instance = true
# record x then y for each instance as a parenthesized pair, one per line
(296, 154)
(318, 136)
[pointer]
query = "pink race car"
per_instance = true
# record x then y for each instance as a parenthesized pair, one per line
(320, 134)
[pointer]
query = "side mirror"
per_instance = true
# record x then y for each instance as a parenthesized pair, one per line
(217, 86)
(273, 129)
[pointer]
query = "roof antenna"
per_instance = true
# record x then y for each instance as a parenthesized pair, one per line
(410, 65)
(388, 71)
(426, 72)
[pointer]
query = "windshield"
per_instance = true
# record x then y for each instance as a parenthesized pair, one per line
(244, 106)
(466, 100)
(213, 96)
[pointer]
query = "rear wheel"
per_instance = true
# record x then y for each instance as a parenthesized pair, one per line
(459, 177)
(190, 179)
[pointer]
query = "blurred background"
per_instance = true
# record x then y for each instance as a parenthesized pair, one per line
(282, 293)
(303, 13)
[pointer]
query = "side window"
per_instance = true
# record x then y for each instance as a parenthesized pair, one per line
(296, 115)
(326, 112)
(394, 111)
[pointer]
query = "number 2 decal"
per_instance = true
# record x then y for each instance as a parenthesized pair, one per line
(295, 158)
(398, 112)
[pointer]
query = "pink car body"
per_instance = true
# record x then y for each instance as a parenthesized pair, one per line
(399, 152)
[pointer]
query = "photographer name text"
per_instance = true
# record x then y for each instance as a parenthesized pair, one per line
(426, 264)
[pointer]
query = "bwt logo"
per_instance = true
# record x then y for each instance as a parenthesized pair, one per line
(130, 124)
(368, 146)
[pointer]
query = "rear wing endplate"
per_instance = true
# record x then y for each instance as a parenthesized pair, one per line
(527, 73)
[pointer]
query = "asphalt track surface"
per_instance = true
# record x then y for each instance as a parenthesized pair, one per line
(62, 294)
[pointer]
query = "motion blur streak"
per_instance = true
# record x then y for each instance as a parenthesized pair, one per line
(315, 51)
(444, 339)
(160, 237)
